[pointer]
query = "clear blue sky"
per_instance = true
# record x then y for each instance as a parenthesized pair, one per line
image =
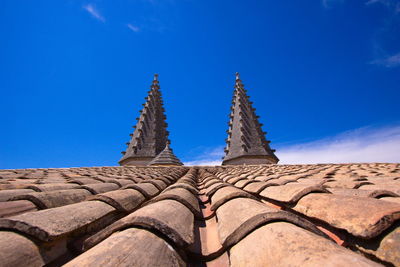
(74, 74)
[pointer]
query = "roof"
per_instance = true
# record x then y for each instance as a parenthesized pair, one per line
(261, 215)
(166, 157)
(246, 142)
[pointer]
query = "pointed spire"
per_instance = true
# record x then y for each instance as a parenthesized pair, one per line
(150, 135)
(166, 158)
(246, 143)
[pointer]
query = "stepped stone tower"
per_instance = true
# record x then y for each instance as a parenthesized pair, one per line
(150, 136)
(166, 158)
(246, 143)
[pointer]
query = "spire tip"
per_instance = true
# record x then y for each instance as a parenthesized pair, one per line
(155, 77)
(237, 76)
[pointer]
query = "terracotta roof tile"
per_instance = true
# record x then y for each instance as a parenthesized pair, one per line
(362, 193)
(57, 198)
(11, 243)
(290, 193)
(12, 208)
(215, 216)
(149, 190)
(156, 217)
(49, 224)
(53, 187)
(395, 188)
(243, 183)
(83, 181)
(119, 250)
(210, 191)
(391, 199)
(284, 244)
(363, 217)
(225, 194)
(157, 183)
(125, 200)
(238, 217)
(346, 184)
(385, 248)
(186, 186)
(9, 193)
(257, 187)
(183, 196)
(100, 188)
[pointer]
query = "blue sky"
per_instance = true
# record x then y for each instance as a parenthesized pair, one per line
(323, 75)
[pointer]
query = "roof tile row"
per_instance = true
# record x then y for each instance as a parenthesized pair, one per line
(261, 215)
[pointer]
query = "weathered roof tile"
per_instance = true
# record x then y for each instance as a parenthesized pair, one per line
(57, 198)
(131, 247)
(9, 193)
(125, 200)
(284, 244)
(290, 192)
(363, 217)
(12, 208)
(160, 216)
(238, 217)
(100, 188)
(286, 218)
(46, 225)
(12, 243)
(53, 187)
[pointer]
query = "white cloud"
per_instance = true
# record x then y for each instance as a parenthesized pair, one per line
(133, 27)
(389, 62)
(203, 163)
(94, 12)
(207, 157)
(366, 144)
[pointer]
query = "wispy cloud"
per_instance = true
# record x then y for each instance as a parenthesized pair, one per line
(368, 144)
(383, 54)
(371, 2)
(133, 27)
(392, 4)
(207, 157)
(203, 163)
(330, 3)
(389, 62)
(94, 12)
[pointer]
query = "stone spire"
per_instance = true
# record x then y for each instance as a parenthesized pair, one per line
(246, 143)
(150, 136)
(166, 158)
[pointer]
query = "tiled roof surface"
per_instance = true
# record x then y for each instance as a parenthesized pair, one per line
(260, 215)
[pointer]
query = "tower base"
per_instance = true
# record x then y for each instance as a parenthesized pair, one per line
(139, 161)
(250, 160)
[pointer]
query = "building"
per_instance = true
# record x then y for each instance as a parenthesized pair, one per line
(150, 137)
(246, 143)
(247, 212)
